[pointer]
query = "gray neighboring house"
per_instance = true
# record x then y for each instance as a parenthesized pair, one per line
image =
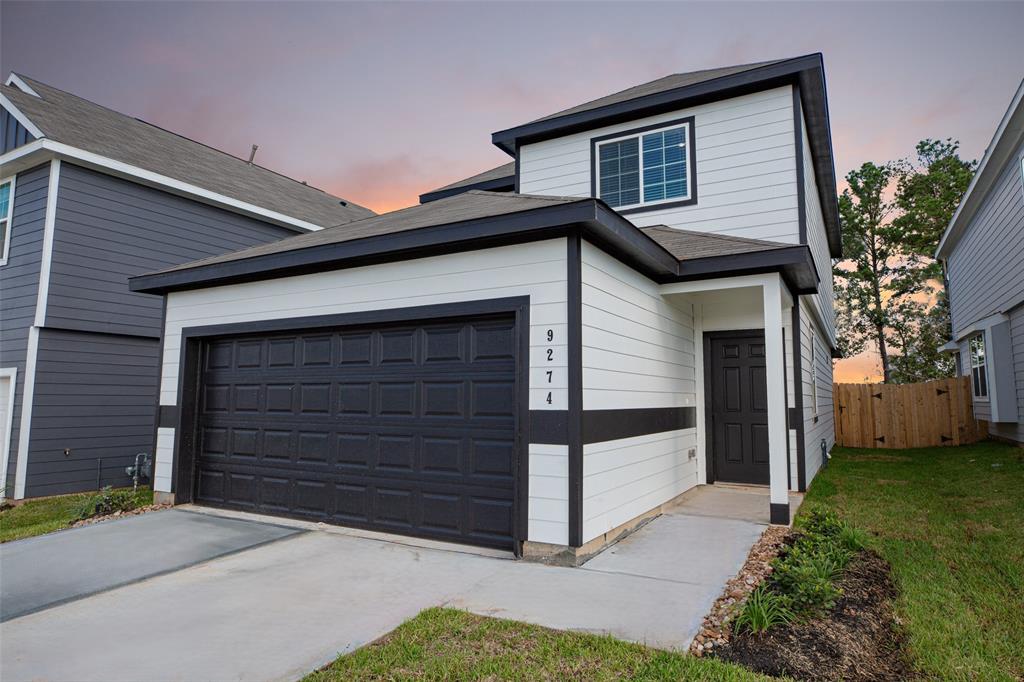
(88, 198)
(983, 254)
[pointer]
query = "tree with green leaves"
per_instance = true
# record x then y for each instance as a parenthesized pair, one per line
(889, 289)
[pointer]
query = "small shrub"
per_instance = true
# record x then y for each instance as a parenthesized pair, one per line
(106, 501)
(762, 611)
(807, 582)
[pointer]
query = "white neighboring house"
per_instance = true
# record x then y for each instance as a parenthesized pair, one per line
(983, 254)
(539, 355)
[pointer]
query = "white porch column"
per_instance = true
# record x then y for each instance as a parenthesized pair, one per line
(775, 371)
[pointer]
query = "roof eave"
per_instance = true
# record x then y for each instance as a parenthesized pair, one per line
(505, 183)
(807, 72)
(598, 223)
(752, 80)
(794, 263)
(1007, 137)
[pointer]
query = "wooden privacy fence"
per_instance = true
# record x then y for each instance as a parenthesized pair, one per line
(906, 415)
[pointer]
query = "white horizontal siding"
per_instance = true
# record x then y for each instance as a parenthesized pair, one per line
(638, 352)
(820, 425)
(745, 173)
(817, 240)
(638, 349)
(537, 270)
(549, 494)
(624, 478)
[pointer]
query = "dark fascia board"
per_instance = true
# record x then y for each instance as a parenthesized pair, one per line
(719, 88)
(796, 263)
(807, 72)
(598, 223)
(592, 218)
(502, 184)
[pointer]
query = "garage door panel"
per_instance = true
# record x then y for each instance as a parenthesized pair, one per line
(408, 427)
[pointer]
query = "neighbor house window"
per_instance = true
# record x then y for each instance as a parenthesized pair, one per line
(645, 168)
(979, 372)
(6, 208)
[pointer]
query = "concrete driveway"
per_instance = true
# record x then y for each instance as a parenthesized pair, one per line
(291, 604)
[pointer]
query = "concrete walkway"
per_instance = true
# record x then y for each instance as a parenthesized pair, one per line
(282, 609)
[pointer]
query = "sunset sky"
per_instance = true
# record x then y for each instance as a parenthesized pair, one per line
(380, 102)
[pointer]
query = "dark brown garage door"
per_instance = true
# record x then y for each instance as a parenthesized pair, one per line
(406, 428)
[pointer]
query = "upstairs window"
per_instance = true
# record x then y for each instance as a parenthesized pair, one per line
(645, 167)
(6, 208)
(979, 369)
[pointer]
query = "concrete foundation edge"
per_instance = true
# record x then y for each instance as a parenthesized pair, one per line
(564, 555)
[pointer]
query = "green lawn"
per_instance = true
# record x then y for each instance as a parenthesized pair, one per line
(444, 644)
(37, 517)
(951, 523)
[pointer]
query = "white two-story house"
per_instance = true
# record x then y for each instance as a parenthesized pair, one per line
(533, 358)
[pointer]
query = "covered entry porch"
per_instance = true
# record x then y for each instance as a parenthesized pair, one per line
(743, 341)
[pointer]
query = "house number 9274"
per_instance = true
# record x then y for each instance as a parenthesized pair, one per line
(551, 357)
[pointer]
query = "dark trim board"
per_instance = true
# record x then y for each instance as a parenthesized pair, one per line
(574, 432)
(590, 219)
(599, 426)
(691, 163)
(798, 138)
(194, 338)
(779, 514)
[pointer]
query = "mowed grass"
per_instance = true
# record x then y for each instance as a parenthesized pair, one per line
(37, 517)
(445, 644)
(951, 523)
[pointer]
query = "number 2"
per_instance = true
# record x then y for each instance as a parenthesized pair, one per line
(551, 354)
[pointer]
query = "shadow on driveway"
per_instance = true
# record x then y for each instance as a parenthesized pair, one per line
(53, 569)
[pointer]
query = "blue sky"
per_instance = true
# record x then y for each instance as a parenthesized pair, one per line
(380, 102)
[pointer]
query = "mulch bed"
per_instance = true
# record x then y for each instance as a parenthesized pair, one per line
(858, 640)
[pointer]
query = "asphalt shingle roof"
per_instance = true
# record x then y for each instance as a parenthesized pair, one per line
(505, 170)
(687, 245)
(470, 205)
(77, 122)
(671, 82)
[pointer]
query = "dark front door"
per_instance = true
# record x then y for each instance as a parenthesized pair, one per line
(405, 428)
(738, 405)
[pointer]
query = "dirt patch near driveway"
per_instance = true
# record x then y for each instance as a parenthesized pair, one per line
(858, 640)
(119, 515)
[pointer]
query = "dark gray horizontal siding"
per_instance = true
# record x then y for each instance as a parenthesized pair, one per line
(109, 229)
(96, 395)
(1009, 430)
(12, 133)
(984, 269)
(19, 286)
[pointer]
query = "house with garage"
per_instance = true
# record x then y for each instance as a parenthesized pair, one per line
(982, 252)
(88, 198)
(541, 356)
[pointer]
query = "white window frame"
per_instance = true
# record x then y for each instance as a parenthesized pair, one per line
(981, 366)
(9, 218)
(814, 376)
(690, 171)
